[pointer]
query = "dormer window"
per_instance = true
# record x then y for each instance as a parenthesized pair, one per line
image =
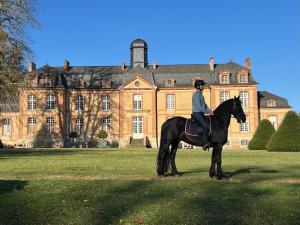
(224, 77)
(106, 83)
(50, 82)
(271, 103)
(170, 82)
(243, 79)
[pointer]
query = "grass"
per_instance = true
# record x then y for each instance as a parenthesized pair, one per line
(120, 186)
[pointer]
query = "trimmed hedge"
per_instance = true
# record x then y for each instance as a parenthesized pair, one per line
(262, 135)
(287, 137)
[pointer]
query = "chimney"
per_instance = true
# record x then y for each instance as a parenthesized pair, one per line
(248, 63)
(66, 65)
(154, 66)
(122, 66)
(211, 63)
(31, 66)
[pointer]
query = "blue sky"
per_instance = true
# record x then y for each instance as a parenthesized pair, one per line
(94, 32)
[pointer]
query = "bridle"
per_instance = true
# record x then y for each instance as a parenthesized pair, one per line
(236, 114)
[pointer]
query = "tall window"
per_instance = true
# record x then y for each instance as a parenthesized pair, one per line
(224, 95)
(50, 102)
(244, 98)
(243, 79)
(137, 102)
(79, 125)
(105, 123)
(50, 82)
(6, 127)
(31, 125)
(79, 102)
(225, 79)
(244, 127)
(105, 103)
(171, 102)
(49, 125)
(31, 102)
(273, 121)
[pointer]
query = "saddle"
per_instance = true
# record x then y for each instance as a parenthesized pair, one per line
(193, 129)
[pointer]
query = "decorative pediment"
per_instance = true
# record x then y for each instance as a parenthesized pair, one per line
(137, 83)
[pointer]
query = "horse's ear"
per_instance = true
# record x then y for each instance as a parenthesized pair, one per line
(234, 98)
(238, 97)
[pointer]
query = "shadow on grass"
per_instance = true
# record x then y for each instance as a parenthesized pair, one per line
(7, 186)
(247, 171)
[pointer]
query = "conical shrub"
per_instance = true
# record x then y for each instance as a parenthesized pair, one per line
(262, 135)
(287, 137)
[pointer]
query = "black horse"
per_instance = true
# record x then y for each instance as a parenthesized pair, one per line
(173, 131)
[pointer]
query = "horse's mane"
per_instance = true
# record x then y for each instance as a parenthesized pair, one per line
(223, 106)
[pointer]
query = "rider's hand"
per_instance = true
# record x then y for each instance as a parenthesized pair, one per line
(211, 113)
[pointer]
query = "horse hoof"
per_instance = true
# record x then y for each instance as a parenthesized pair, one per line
(177, 175)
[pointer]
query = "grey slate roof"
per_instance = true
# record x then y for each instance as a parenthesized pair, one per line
(263, 97)
(182, 73)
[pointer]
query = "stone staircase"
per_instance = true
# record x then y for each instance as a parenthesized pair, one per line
(136, 143)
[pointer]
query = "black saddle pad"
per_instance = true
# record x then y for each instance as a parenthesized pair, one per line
(192, 128)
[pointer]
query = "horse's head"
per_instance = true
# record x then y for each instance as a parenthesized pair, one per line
(237, 110)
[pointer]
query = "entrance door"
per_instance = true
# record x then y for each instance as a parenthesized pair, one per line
(137, 127)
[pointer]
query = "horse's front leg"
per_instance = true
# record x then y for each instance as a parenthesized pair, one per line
(219, 162)
(212, 171)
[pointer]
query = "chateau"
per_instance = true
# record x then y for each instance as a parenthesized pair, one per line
(130, 102)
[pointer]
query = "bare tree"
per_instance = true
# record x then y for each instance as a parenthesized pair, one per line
(15, 17)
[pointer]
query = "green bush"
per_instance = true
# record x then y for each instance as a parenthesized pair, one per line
(114, 144)
(262, 135)
(102, 134)
(287, 137)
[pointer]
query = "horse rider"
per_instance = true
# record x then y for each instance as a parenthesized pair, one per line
(199, 109)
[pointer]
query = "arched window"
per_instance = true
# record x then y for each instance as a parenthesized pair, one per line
(79, 102)
(31, 102)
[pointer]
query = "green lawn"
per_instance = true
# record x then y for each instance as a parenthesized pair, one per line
(120, 186)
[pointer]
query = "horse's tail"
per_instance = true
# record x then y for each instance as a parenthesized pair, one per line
(163, 158)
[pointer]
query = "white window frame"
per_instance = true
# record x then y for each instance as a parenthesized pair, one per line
(31, 102)
(273, 121)
(244, 127)
(79, 104)
(244, 142)
(31, 121)
(224, 96)
(243, 79)
(137, 102)
(106, 103)
(105, 121)
(50, 103)
(50, 124)
(244, 97)
(6, 127)
(50, 82)
(224, 79)
(79, 123)
(170, 102)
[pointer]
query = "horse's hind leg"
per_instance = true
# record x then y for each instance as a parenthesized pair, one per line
(172, 156)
